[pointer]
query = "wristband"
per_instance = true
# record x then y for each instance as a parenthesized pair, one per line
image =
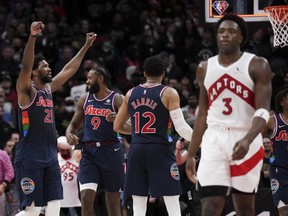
(35, 36)
(262, 113)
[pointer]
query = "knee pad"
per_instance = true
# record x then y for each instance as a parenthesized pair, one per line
(92, 186)
(233, 190)
(207, 191)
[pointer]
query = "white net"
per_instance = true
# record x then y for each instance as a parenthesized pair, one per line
(278, 16)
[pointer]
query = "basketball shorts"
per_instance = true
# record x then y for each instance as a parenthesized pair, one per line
(216, 166)
(102, 165)
(152, 170)
(38, 184)
(279, 186)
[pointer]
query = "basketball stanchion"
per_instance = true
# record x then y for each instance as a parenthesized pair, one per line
(278, 16)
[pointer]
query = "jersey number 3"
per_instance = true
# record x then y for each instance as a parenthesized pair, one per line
(227, 102)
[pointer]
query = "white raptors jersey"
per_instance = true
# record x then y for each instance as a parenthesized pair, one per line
(69, 172)
(230, 93)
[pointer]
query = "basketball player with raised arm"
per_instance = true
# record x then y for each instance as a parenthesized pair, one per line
(38, 175)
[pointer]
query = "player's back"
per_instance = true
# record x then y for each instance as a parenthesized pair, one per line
(230, 93)
(151, 123)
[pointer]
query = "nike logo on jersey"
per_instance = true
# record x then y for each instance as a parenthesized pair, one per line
(116, 149)
(281, 126)
(90, 100)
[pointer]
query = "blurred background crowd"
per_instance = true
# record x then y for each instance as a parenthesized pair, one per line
(128, 32)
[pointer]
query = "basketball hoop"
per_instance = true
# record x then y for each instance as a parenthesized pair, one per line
(278, 16)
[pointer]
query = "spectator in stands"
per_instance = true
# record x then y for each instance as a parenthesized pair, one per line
(7, 175)
(69, 173)
(265, 177)
(5, 129)
(191, 109)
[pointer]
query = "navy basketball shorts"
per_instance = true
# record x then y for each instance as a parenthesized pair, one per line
(152, 170)
(102, 165)
(279, 186)
(38, 184)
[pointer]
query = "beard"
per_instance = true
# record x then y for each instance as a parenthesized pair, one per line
(45, 79)
(95, 88)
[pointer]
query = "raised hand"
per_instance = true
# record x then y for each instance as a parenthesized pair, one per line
(90, 38)
(36, 28)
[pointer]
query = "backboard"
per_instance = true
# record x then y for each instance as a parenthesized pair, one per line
(249, 10)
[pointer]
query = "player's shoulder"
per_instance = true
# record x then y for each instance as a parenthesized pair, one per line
(169, 91)
(259, 65)
(83, 97)
(258, 59)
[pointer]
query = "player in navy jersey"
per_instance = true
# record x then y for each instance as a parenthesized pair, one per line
(37, 170)
(234, 99)
(102, 154)
(151, 165)
(277, 127)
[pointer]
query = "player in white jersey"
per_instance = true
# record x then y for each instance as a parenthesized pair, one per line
(235, 91)
(69, 172)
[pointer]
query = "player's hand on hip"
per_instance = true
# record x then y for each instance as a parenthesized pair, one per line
(72, 139)
(191, 169)
(36, 28)
(240, 149)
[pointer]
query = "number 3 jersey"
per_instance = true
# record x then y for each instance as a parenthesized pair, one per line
(150, 119)
(230, 93)
(38, 139)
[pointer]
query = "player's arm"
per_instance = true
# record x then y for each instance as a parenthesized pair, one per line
(261, 74)
(76, 122)
(200, 124)
(171, 101)
(269, 127)
(72, 66)
(24, 87)
(120, 123)
(112, 116)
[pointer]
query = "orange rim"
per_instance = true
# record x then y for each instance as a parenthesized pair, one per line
(278, 12)
(269, 8)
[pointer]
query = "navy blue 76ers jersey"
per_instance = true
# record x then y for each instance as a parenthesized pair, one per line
(150, 119)
(96, 127)
(279, 138)
(38, 139)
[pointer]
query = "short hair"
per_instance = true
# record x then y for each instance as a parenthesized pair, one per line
(153, 66)
(241, 23)
(38, 58)
(278, 99)
(103, 72)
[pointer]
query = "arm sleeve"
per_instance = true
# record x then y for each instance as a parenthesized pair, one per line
(181, 126)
